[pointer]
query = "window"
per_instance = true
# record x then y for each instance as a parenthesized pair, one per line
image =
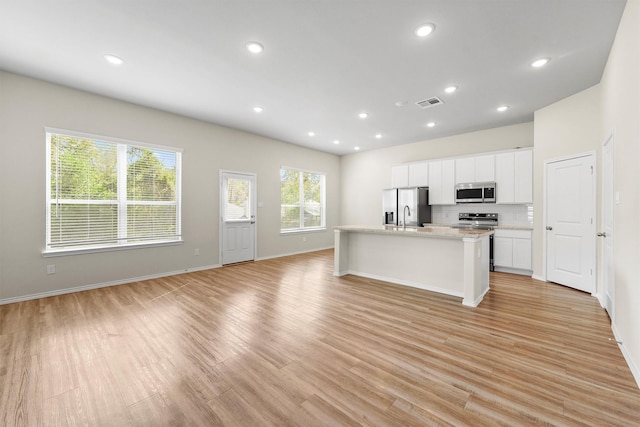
(302, 200)
(106, 193)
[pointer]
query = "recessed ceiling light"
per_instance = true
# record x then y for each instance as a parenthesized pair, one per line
(363, 115)
(451, 89)
(540, 62)
(336, 142)
(379, 135)
(258, 109)
(502, 108)
(356, 148)
(431, 124)
(311, 134)
(254, 47)
(425, 29)
(115, 60)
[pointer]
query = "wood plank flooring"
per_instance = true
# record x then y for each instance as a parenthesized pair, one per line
(282, 342)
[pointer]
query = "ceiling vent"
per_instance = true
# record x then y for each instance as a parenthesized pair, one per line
(429, 102)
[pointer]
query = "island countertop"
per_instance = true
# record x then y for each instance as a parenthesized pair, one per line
(434, 232)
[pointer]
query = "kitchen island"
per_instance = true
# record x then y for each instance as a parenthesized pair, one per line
(439, 259)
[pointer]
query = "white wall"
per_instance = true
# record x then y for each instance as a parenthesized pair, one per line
(365, 175)
(27, 106)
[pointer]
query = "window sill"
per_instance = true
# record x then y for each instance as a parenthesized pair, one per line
(303, 231)
(95, 249)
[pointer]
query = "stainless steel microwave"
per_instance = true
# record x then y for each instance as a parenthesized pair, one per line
(476, 192)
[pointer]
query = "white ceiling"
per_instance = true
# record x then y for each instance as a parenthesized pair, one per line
(324, 61)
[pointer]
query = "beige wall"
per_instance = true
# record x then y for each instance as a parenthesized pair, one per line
(571, 126)
(582, 123)
(28, 105)
(365, 175)
(621, 114)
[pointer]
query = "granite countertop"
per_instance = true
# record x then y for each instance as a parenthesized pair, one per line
(444, 232)
(497, 227)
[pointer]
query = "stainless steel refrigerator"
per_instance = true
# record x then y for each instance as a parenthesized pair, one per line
(410, 204)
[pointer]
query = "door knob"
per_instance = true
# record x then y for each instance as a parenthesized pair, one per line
(603, 234)
(549, 227)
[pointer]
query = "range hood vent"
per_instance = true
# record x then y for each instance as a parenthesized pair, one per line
(429, 102)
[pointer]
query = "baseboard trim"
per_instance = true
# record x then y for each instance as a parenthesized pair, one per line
(404, 283)
(4, 301)
(47, 294)
(514, 271)
(627, 356)
(262, 258)
(477, 301)
(537, 277)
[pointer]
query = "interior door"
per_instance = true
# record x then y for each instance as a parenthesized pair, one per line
(238, 218)
(608, 275)
(570, 230)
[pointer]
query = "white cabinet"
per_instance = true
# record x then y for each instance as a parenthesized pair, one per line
(485, 168)
(400, 176)
(524, 176)
(419, 174)
(442, 182)
(512, 249)
(465, 170)
(522, 253)
(514, 177)
(505, 178)
(502, 251)
(512, 172)
(475, 169)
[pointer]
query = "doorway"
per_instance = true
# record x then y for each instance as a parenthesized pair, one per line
(237, 217)
(570, 221)
(608, 274)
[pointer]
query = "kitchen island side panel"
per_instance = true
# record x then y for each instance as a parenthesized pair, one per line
(431, 264)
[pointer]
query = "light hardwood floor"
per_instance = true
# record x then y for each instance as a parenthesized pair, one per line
(283, 342)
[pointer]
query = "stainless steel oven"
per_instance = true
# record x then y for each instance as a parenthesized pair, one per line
(479, 221)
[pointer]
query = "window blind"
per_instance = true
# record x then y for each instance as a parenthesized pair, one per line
(103, 193)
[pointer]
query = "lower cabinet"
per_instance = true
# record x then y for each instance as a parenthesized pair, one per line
(512, 250)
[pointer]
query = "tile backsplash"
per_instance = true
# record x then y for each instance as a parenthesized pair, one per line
(508, 215)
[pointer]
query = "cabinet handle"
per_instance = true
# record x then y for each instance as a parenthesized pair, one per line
(549, 227)
(603, 234)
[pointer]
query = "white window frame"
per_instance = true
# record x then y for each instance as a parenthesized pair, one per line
(122, 196)
(323, 202)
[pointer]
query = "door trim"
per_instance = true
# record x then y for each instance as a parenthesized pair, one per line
(602, 293)
(545, 165)
(221, 202)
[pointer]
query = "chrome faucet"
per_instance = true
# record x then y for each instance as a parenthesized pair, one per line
(404, 216)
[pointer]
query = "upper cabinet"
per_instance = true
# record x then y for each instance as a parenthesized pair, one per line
(442, 182)
(512, 171)
(410, 175)
(475, 169)
(524, 176)
(400, 176)
(486, 168)
(419, 174)
(514, 176)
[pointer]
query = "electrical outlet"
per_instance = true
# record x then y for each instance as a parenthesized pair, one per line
(196, 252)
(304, 238)
(51, 269)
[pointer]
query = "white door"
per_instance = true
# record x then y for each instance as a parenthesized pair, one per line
(570, 230)
(608, 275)
(238, 217)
